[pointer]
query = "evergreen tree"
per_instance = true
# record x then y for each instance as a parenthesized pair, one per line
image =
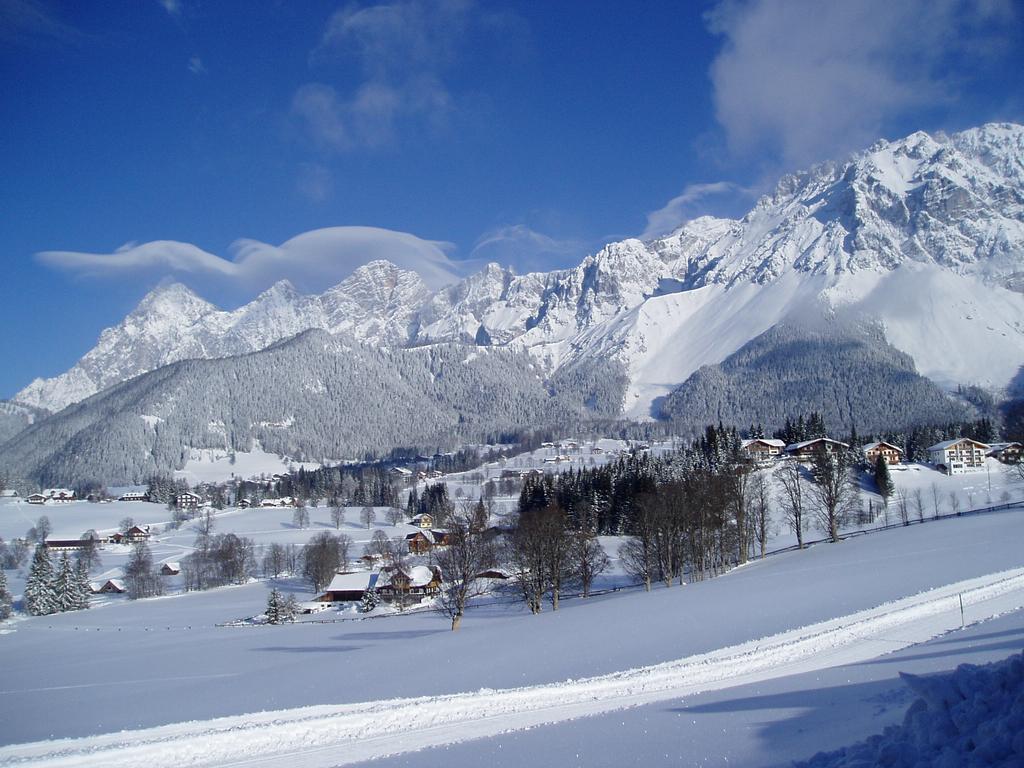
(66, 586)
(274, 605)
(40, 595)
(369, 601)
(5, 597)
(83, 590)
(883, 479)
(289, 609)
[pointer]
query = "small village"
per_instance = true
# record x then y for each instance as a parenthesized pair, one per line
(396, 569)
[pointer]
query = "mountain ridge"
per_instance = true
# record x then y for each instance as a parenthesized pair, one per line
(944, 212)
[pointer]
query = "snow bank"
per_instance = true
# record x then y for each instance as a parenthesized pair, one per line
(971, 717)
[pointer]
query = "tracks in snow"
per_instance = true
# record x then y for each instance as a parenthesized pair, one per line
(327, 736)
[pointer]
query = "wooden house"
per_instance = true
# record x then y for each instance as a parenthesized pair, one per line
(958, 456)
(136, 533)
(1007, 453)
(420, 542)
(112, 587)
(892, 454)
(400, 582)
(134, 496)
(36, 498)
(423, 520)
(762, 450)
(65, 545)
(170, 569)
(808, 450)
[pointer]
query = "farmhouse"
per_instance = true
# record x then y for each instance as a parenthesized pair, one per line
(134, 496)
(8, 493)
(808, 450)
(284, 501)
(399, 582)
(136, 533)
(892, 454)
(187, 500)
(66, 545)
(111, 587)
(348, 587)
(762, 450)
(170, 569)
(54, 495)
(1007, 453)
(420, 542)
(423, 520)
(958, 456)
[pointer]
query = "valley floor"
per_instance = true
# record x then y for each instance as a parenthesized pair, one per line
(164, 661)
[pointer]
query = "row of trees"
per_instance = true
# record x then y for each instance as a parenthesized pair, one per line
(54, 590)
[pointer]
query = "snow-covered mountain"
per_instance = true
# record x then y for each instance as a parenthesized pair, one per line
(924, 235)
(376, 303)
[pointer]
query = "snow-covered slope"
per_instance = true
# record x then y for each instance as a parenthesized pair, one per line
(924, 234)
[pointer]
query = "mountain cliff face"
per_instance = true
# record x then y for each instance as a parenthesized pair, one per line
(924, 236)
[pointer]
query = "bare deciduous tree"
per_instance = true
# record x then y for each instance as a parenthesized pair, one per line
(367, 516)
(760, 510)
(834, 491)
(589, 559)
(793, 497)
(461, 562)
(321, 559)
(337, 516)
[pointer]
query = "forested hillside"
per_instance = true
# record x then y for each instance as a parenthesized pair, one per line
(313, 397)
(845, 371)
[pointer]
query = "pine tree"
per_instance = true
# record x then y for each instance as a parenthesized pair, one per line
(274, 604)
(289, 609)
(82, 588)
(66, 586)
(5, 597)
(369, 601)
(883, 479)
(40, 595)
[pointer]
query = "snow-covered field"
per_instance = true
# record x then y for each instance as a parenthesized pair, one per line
(163, 661)
(664, 677)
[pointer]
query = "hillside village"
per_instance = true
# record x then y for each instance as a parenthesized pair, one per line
(386, 558)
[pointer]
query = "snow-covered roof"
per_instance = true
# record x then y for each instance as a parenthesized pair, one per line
(766, 440)
(805, 443)
(419, 576)
(424, 532)
(950, 443)
(173, 566)
(881, 444)
(351, 582)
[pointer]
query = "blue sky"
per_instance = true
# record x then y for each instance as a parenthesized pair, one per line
(143, 139)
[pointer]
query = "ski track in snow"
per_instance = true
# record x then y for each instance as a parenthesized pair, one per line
(326, 736)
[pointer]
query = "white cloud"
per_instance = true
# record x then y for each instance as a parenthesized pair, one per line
(526, 249)
(682, 207)
(313, 260)
(809, 79)
(195, 65)
(403, 52)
